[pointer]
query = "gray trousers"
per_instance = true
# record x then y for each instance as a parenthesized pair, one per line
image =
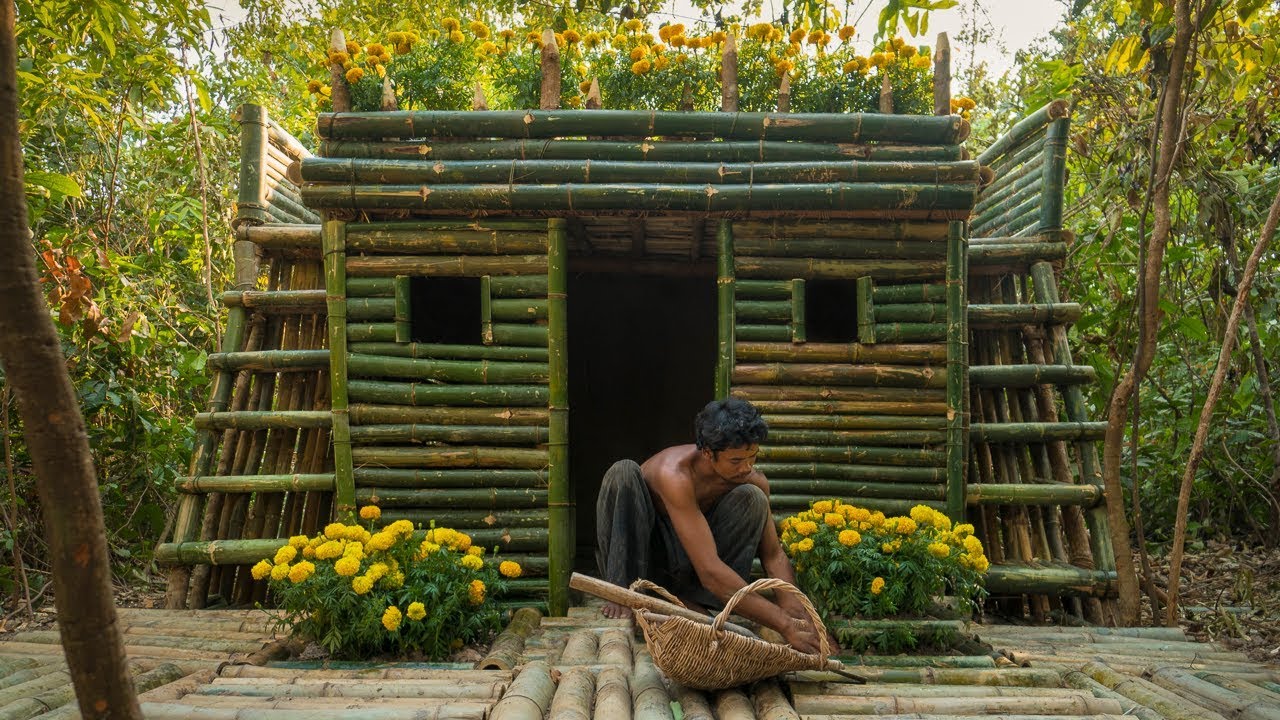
(634, 540)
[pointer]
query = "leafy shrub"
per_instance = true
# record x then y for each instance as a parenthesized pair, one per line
(361, 593)
(856, 563)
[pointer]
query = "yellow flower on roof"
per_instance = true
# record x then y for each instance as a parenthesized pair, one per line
(920, 62)
(506, 34)
(479, 29)
(633, 25)
(638, 53)
(797, 35)
(572, 36)
(355, 74)
(450, 24)
(353, 47)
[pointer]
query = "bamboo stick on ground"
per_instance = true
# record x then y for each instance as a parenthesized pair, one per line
(896, 704)
(694, 704)
(506, 649)
(613, 694)
(649, 698)
(573, 696)
(1148, 694)
(616, 648)
(428, 690)
(733, 704)
(771, 703)
(580, 649)
(636, 601)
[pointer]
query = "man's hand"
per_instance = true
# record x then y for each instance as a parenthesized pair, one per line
(801, 635)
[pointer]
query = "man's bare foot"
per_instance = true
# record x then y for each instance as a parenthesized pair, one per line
(614, 611)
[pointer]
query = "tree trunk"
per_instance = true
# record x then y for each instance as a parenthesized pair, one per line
(1206, 414)
(1169, 149)
(56, 438)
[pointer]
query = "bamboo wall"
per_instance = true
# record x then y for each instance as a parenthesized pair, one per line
(1034, 483)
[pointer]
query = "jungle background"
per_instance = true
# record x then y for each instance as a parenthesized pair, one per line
(130, 144)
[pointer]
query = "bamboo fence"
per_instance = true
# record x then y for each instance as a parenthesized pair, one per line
(901, 354)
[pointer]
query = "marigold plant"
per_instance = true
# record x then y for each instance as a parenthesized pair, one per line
(361, 591)
(853, 562)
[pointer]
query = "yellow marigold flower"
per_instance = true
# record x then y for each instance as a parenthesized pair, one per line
(792, 50)
(807, 527)
(353, 47)
(326, 91)
(898, 43)
(382, 541)
(877, 586)
(591, 40)
(877, 59)
(394, 580)
(510, 568)
(308, 552)
(964, 529)
(847, 32)
(456, 36)
(908, 52)
(475, 550)
(662, 63)
(860, 514)
(279, 572)
(584, 86)
(329, 550)
(299, 541)
(805, 545)
(657, 48)
(475, 591)
(375, 49)
(571, 37)
(967, 103)
(370, 512)
(906, 526)
(301, 571)
(815, 37)
(471, 562)
(506, 34)
(678, 41)
(377, 571)
(922, 514)
(876, 519)
(395, 37)
(479, 29)
(633, 25)
(775, 35)
(664, 32)
(339, 58)
(797, 35)
(347, 566)
(981, 564)
(640, 67)
(401, 527)
(638, 53)
(261, 570)
(849, 538)
(834, 519)
(890, 58)
(682, 58)
(450, 24)
(416, 611)
(886, 548)
(822, 507)
(286, 555)
(851, 67)
(760, 31)
(461, 542)
(793, 548)
(676, 29)
(354, 74)
(920, 62)
(939, 550)
(972, 545)
(718, 37)
(335, 531)
(786, 524)
(313, 87)
(391, 618)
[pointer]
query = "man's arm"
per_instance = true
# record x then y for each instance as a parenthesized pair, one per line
(776, 564)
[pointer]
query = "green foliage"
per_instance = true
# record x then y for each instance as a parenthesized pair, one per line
(856, 563)
(362, 594)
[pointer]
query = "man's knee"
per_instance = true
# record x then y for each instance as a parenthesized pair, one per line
(621, 477)
(750, 501)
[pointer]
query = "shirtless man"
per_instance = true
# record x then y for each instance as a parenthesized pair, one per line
(693, 517)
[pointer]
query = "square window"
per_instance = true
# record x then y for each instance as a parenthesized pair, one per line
(445, 310)
(831, 310)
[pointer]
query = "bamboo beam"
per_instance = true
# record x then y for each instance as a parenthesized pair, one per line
(842, 407)
(1013, 255)
(257, 483)
(457, 499)
(365, 414)
(896, 294)
(264, 420)
(829, 393)
(810, 268)
(270, 360)
(854, 422)
(560, 500)
(763, 333)
(942, 76)
(839, 472)
(906, 376)
(1049, 580)
(463, 266)
(395, 393)
(853, 455)
(452, 434)
(290, 236)
(850, 353)
(798, 333)
(431, 479)
(251, 204)
(924, 313)
(1036, 432)
(1024, 129)
(866, 310)
(430, 351)
(726, 319)
(335, 286)
(409, 241)
(1055, 171)
(453, 371)
(1032, 494)
(781, 496)
(905, 332)
(529, 695)
(450, 457)
(1028, 375)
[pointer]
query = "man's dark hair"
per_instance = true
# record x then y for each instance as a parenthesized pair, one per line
(730, 423)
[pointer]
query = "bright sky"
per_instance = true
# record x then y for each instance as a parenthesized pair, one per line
(1013, 25)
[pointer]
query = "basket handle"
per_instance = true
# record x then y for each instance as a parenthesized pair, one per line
(824, 648)
(642, 584)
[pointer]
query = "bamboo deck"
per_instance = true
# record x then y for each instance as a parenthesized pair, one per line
(585, 666)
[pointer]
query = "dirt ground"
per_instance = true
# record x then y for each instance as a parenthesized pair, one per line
(1230, 594)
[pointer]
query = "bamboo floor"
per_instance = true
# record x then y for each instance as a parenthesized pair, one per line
(189, 664)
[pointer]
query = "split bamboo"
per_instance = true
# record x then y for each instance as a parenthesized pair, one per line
(273, 360)
(1049, 579)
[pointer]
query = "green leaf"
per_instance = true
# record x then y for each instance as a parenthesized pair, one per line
(58, 185)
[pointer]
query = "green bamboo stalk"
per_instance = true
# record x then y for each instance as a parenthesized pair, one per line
(430, 479)
(865, 438)
(1032, 494)
(762, 311)
(855, 422)
(486, 309)
(730, 151)
(371, 332)
(777, 408)
(371, 287)
(403, 309)
(851, 353)
(358, 171)
(562, 542)
(836, 248)
(1049, 579)
(1012, 196)
(528, 526)
(487, 224)
(429, 266)
(519, 286)
(1000, 315)
(450, 457)
(853, 455)
(917, 293)
(257, 483)
(808, 269)
(451, 352)
(453, 434)
(798, 334)
(520, 334)
(454, 242)
(1015, 255)
(921, 313)
(519, 310)
(453, 371)
(829, 393)
(1027, 152)
(1024, 129)
(896, 491)
(1000, 217)
(763, 333)
(436, 124)
(845, 229)
(957, 371)
(1077, 679)
(726, 314)
(281, 300)
(873, 200)
(456, 499)
(289, 236)
(832, 472)
(250, 206)
(394, 393)
(379, 310)
(1055, 172)
(362, 414)
(269, 360)
(1036, 432)
(905, 376)
(866, 310)
(264, 420)
(1026, 175)
(333, 240)
(762, 290)
(1028, 375)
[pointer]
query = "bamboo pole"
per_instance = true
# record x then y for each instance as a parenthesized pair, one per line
(829, 393)
(853, 455)
(810, 268)
(866, 310)
(1032, 494)
(995, 258)
(865, 438)
(613, 694)
(851, 353)
(1055, 171)
(335, 286)
(886, 95)
(269, 360)
(909, 293)
(448, 242)
(1037, 432)
(370, 391)
(837, 472)
(906, 376)
(430, 266)
(762, 311)
(525, 520)
(1028, 375)
(450, 457)
(452, 371)
(1049, 579)
(942, 75)
(850, 489)
(251, 205)
(257, 483)
(263, 420)
(649, 698)
(839, 407)
(458, 498)
(835, 705)
(731, 151)
(855, 422)
(1025, 129)
(560, 499)
(429, 479)
(1148, 694)
(798, 333)
(362, 414)
(762, 333)
(450, 352)
(911, 332)
(726, 314)
(922, 313)
(549, 94)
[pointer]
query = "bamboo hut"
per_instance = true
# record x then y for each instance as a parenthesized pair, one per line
(428, 309)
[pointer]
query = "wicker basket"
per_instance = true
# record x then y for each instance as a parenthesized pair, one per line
(708, 657)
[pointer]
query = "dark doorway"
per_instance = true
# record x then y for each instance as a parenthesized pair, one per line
(642, 359)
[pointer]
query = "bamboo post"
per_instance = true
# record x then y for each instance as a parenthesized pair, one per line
(251, 205)
(593, 95)
(339, 92)
(529, 695)
(404, 323)
(957, 361)
(388, 102)
(784, 94)
(942, 75)
(1054, 174)
(334, 244)
(797, 311)
(886, 95)
(729, 74)
(486, 309)
(725, 293)
(478, 101)
(865, 310)
(562, 522)
(550, 92)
